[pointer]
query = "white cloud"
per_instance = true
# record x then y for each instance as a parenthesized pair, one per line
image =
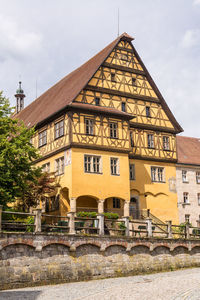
(191, 38)
(16, 41)
(196, 2)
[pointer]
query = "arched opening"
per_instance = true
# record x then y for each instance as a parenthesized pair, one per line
(114, 205)
(134, 207)
(86, 203)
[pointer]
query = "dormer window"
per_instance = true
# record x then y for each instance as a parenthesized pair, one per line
(124, 106)
(97, 101)
(113, 79)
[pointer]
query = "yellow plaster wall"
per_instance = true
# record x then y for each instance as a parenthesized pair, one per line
(102, 185)
(161, 198)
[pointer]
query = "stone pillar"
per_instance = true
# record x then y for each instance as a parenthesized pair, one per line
(72, 204)
(1, 209)
(126, 209)
(38, 219)
(100, 217)
(126, 223)
(100, 206)
(169, 229)
(149, 227)
(71, 216)
(187, 231)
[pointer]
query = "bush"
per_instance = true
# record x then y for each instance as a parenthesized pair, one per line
(111, 215)
(85, 214)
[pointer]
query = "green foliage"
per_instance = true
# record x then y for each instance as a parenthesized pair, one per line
(85, 214)
(16, 156)
(122, 226)
(111, 215)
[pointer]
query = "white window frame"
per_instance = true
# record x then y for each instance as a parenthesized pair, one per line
(198, 177)
(59, 129)
(150, 140)
(186, 198)
(92, 164)
(157, 174)
(46, 167)
(89, 126)
(113, 130)
(184, 176)
(132, 171)
(166, 143)
(42, 138)
(60, 166)
(187, 218)
(114, 166)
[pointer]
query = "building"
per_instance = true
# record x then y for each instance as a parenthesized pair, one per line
(188, 179)
(109, 135)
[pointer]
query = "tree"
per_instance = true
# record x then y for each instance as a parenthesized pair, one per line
(16, 156)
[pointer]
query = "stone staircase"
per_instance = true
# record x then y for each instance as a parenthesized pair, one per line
(145, 213)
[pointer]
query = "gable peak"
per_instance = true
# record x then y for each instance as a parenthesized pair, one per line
(126, 37)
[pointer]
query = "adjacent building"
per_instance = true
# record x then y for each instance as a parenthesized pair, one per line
(109, 135)
(188, 179)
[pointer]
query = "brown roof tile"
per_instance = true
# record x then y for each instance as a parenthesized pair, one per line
(188, 150)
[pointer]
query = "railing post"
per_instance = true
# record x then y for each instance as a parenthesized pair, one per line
(149, 227)
(38, 220)
(71, 216)
(187, 231)
(148, 213)
(126, 223)
(100, 217)
(1, 209)
(169, 229)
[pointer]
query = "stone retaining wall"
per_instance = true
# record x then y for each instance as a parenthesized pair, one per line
(28, 259)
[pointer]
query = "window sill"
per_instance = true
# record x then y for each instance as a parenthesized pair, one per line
(114, 138)
(115, 174)
(185, 203)
(167, 150)
(89, 134)
(56, 138)
(158, 181)
(42, 146)
(185, 181)
(98, 173)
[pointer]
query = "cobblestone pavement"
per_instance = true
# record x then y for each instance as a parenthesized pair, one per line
(177, 285)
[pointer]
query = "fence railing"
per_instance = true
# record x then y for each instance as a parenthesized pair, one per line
(100, 225)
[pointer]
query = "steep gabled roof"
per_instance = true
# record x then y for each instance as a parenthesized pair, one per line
(188, 150)
(62, 94)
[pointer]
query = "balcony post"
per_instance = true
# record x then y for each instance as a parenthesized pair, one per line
(38, 220)
(126, 223)
(187, 231)
(100, 217)
(169, 229)
(126, 208)
(149, 227)
(73, 204)
(71, 216)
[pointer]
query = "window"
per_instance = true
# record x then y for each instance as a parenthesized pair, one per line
(46, 168)
(165, 143)
(42, 138)
(113, 79)
(116, 203)
(198, 177)
(198, 198)
(131, 139)
(132, 172)
(92, 164)
(97, 101)
(184, 176)
(113, 130)
(59, 166)
(157, 174)
(148, 113)
(89, 126)
(185, 198)
(123, 106)
(150, 140)
(114, 166)
(133, 81)
(59, 129)
(187, 218)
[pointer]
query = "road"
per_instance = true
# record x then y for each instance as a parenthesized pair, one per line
(177, 285)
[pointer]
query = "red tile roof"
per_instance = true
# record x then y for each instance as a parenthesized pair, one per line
(188, 150)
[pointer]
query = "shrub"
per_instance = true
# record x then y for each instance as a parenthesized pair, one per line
(111, 215)
(85, 214)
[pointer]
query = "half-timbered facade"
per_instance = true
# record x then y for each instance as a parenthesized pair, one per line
(109, 135)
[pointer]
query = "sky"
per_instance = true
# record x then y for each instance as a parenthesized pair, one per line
(43, 41)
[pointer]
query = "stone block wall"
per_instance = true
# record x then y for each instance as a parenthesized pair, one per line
(28, 259)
